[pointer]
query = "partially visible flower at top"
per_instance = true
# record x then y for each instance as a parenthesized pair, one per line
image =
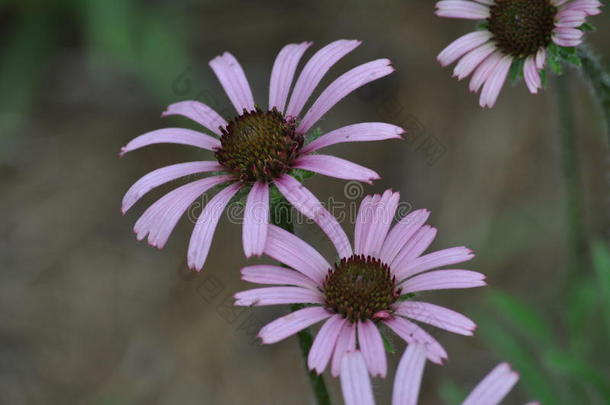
(259, 149)
(357, 389)
(364, 290)
(514, 31)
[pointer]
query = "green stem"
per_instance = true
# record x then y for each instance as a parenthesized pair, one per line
(281, 216)
(576, 235)
(599, 79)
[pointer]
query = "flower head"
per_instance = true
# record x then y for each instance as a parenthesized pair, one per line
(258, 149)
(363, 290)
(514, 31)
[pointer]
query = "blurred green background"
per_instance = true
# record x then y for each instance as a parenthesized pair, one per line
(90, 316)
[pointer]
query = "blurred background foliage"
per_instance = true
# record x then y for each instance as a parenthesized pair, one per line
(88, 315)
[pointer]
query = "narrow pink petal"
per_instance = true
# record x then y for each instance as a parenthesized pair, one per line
(461, 9)
(341, 87)
(180, 136)
(304, 201)
(363, 132)
(233, 79)
(268, 274)
(162, 176)
(567, 36)
(494, 387)
(401, 233)
(324, 344)
(444, 280)
(472, 60)
(198, 112)
(283, 72)
(591, 7)
(531, 75)
(371, 346)
(345, 343)
(259, 297)
(292, 323)
(333, 166)
(462, 46)
(289, 249)
(201, 239)
(160, 219)
(570, 18)
(355, 381)
(409, 375)
(256, 219)
(380, 222)
(493, 85)
(540, 58)
(314, 71)
(438, 316)
(482, 73)
(413, 334)
(436, 259)
(418, 243)
(363, 221)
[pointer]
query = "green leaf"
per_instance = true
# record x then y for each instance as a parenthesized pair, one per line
(554, 59)
(301, 174)
(451, 393)
(587, 27)
(569, 55)
(313, 135)
(544, 78)
(516, 70)
(406, 297)
(386, 336)
(483, 25)
(601, 265)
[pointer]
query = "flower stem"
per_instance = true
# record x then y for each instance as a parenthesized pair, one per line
(281, 216)
(599, 79)
(576, 235)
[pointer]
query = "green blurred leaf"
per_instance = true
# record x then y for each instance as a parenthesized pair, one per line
(516, 70)
(581, 309)
(601, 265)
(451, 393)
(587, 27)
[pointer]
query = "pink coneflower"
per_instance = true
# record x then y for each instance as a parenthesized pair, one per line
(259, 149)
(357, 390)
(364, 289)
(514, 30)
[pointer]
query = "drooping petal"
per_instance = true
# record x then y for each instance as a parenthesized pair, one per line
(198, 112)
(494, 387)
(493, 85)
(482, 73)
(401, 233)
(324, 343)
(462, 9)
(567, 36)
(418, 243)
(381, 220)
(314, 71)
(233, 79)
(289, 249)
(409, 375)
(162, 176)
(438, 316)
(345, 343)
(256, 219)
(180, 136)
(371, 346)
(283, 72)
(434, 260)
(531, 75)
(160, 219)
(304, 201)
(292, 323)
(341, 87)
(268, 274)
(472, 60)
(413, 334)
(333, 166)
(541, 58)
(363, 132)
(355, 381)
(463, 45)
(201, 239)
(259, 297)
(443, 280)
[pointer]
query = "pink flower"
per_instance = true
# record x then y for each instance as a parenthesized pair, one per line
(515, 30)
(366, 288)
(357, 389)
(258, 149)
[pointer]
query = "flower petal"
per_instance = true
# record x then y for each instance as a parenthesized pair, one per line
(462, 46)
(292, 323)
(401, 233)
(494, 387)
(198, 112)
(371, 346)
(412, 249)
(180, 136)
(324, 344)
(413, 334)
(380, 219)
(493, 85)
(345, 343)
(333, 166)
(434, 260)
(462, 9)
(409, 375)
(233, 79)
(444, 280)
(362, 132)
(472, 60)
(256, 219)
(259, 297)
(268, 274)
(438, 316)
(531, 75)
(355, 382)
(283, 72)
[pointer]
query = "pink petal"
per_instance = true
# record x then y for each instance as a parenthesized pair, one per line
(567, 36)
(444, 280)
(380, 219)
(472, 60)
(267, 274)
(494, 387)
(198, 112)
(401, 233)
(314, 71)
(341, 87)
(365, 131)
(482, 73)
(259, 297)
(160, 219)
(363, 221)
(531, 75)
(201, 239)
(436, 259)
(462, 9)
(302, 199)
(371, 346)
(591, 7)
(345, 343)
(292, 323)
(438, 316)
(294, 252)
(493, 85)
(333, 166)
(233, 79)
(256, 219)
(180, 136)
(462, 46)
(324, 344)
(540, 58)
(355, 382)
(570, 18)
(412, 249)
(409, 375)
(283, 72)
(413, 334)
